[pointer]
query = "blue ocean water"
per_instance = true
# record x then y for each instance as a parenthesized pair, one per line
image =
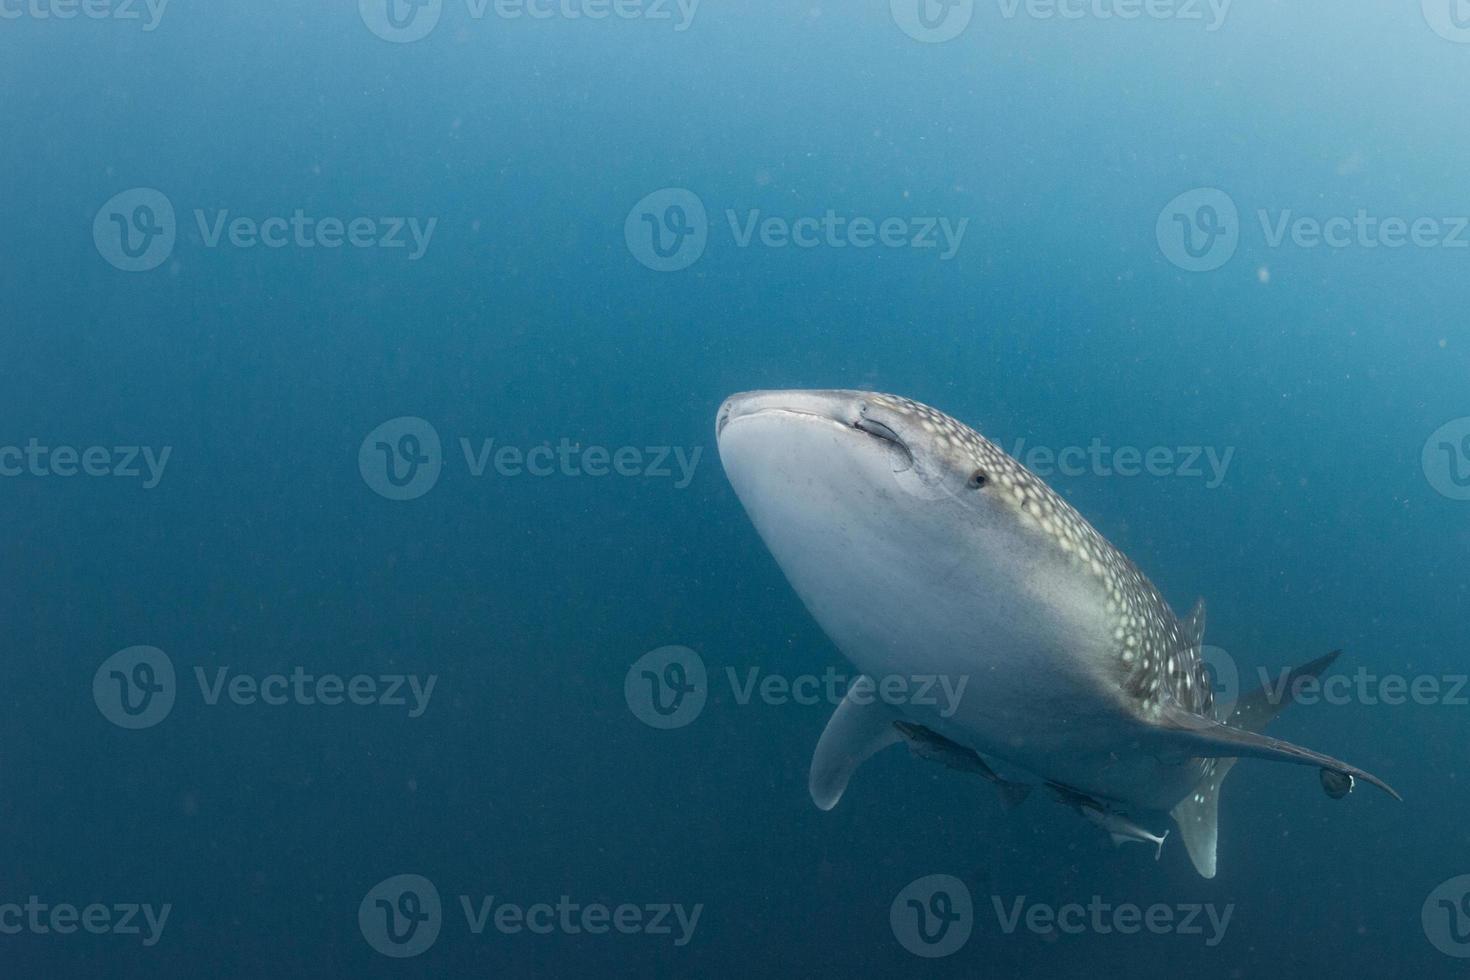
(360, 365)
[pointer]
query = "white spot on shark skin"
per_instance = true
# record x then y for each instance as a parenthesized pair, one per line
(1001, 577)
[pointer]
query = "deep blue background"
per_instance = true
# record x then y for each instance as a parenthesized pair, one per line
(529, 320)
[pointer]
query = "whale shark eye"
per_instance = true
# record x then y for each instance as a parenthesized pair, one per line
(977, 480)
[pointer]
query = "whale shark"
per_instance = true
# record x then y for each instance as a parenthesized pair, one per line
(922, 548)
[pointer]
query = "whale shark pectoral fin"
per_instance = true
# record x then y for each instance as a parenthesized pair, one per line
(1206, 738)
(861, 726)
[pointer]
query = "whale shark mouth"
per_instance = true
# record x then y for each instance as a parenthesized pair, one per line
(859, 420)
(848, 414)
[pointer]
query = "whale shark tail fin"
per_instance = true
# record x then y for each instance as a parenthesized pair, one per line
(1222, 743)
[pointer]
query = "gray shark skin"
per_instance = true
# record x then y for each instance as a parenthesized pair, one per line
(921, 548)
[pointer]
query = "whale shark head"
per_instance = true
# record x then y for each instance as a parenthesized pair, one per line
(905, 531)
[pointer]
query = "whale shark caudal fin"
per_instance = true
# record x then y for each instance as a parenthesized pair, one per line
(1223, 743)
(861, 726)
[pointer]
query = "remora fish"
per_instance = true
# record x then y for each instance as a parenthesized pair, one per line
(923, 549)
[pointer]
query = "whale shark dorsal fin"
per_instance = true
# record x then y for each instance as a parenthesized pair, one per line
(1198, 817)
(861, 726)
(1256, 710)
(1193, 625)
